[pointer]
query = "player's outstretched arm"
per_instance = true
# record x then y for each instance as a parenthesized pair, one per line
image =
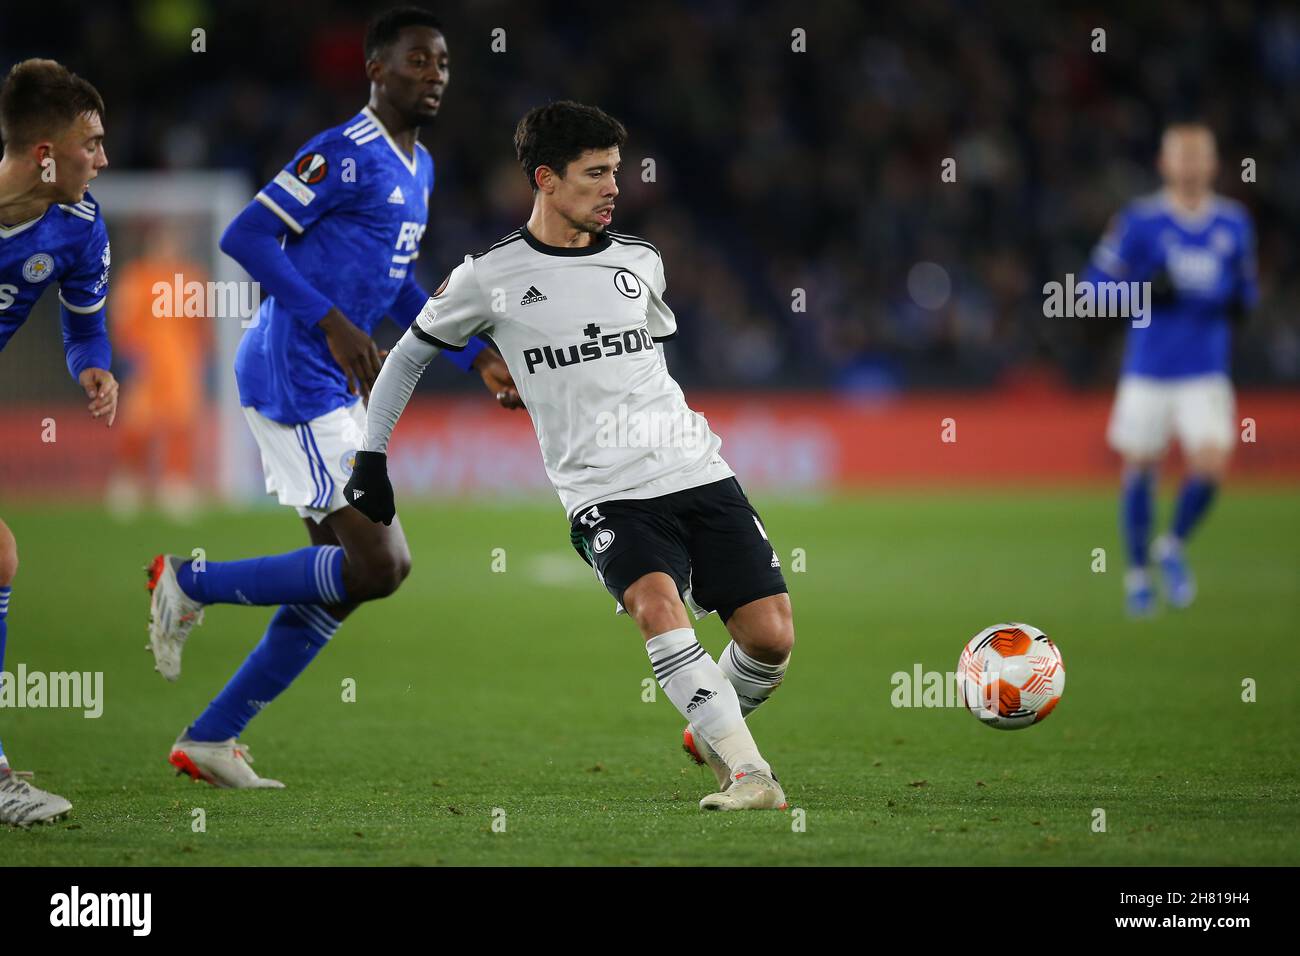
(253, 240)
(369, 490)
(86, 347)
(82, 295)
(85, 340)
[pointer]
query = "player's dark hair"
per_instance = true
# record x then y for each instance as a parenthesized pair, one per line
(556, 134)
(43, 98)
(384, 29)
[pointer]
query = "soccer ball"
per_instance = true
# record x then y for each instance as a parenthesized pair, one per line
(1011, 676)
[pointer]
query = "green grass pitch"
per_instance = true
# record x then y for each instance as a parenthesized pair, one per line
(478, 690)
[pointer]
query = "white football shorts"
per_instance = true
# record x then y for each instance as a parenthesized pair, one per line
(1149, 411)
(307, 465)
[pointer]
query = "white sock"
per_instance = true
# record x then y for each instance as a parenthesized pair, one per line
(753, 680)
(701, 692)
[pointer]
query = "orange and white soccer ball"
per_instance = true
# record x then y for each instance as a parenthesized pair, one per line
(1011, 675)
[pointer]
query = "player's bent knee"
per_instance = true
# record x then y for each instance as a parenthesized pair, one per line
(765, 628)
(403, 569)
(774, 642)
(392, 572)
(383, 576)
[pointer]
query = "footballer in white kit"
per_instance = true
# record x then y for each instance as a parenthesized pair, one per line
(577, 312)
(580, 327)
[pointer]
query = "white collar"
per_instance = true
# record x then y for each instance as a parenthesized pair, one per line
(407, 161)
(8, 231)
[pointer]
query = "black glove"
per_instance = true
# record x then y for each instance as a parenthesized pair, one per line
(369, 490)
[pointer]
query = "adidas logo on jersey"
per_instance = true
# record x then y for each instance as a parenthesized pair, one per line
(701, 697)
(396, 197)
(532, 296)
(357, 493)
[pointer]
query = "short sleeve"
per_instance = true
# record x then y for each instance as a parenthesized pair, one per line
(660, 320)
(308, 187)
(455, 312)
(85, 287)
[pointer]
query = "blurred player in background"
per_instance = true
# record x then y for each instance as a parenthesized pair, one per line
(162, 411)
(1198, 251)
(331, 238)
(662, 520)
(51, 230)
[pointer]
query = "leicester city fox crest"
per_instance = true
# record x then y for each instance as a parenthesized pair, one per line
(38, 268)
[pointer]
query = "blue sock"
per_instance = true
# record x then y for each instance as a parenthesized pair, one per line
(293, 638)
(307, 576)
(1193, 502)
(1135, 513)
(4, 633)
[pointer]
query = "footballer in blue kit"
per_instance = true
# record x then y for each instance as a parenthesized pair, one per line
(51, 233)
(332, 240)
(1197, 249)
(355, 206)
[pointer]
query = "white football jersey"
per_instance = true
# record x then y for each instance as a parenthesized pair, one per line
(577, 327)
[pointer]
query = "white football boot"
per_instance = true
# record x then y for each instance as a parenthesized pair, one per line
(21, 804)
(172, 615)
(222, 763)
(698, 749)
(751, 789)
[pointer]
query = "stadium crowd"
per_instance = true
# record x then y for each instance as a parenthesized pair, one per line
(774, 170)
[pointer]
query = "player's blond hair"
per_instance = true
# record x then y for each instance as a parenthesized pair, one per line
(43, 98)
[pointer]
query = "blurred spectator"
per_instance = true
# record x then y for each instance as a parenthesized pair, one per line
(773, 169)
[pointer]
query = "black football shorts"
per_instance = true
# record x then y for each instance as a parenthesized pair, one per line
(707, 539)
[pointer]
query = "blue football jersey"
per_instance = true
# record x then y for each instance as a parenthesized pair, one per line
(356, 207)
(67, 246)
(1210, 261)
